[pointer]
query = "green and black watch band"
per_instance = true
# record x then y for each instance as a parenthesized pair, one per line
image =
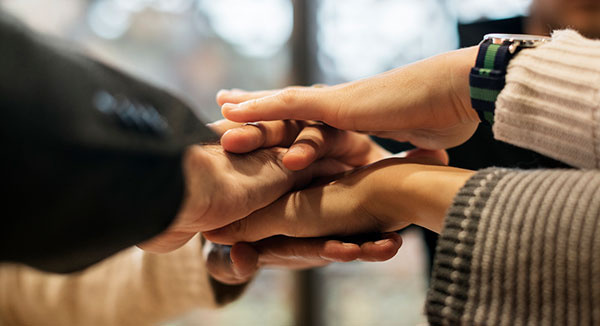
(487, 77)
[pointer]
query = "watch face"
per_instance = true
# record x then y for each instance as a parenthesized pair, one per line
(520, 38)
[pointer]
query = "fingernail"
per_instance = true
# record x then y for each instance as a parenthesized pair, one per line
(348, 245)
(294, 150)
(382, 242)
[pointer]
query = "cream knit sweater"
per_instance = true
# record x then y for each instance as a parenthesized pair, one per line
(130, 288)
(523, 247)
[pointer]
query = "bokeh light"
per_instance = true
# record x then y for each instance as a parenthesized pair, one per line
(357, 38)
(255, 28)
(473, 10)
(108, 19)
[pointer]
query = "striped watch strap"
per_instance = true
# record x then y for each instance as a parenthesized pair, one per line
(486, 79)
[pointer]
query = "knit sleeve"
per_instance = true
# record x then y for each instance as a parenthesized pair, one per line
(520, 247)
(551, 101)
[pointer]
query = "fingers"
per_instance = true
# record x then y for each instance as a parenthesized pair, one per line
(223, 125)
(281, 251)
(249, 137)
(238, 263)
(244, 259)
(313, 142)
(381, 250)
(246, 137)
(295, 253)
(317, 141)
(301, 103)
(231, 265)
(238, 96)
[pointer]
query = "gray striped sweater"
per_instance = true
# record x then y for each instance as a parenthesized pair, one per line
(523, 247)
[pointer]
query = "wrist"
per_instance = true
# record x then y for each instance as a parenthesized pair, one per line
(436, 190)
(460, 63)
(413, 193)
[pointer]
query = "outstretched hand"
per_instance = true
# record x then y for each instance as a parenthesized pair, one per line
(425, 103)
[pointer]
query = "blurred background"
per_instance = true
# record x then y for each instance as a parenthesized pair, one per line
(196, 47)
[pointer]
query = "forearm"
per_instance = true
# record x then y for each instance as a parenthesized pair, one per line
(519, 247)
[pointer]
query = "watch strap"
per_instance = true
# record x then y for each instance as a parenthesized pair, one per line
(487, 77)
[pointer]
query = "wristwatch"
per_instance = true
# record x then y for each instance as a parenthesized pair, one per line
(486, 79)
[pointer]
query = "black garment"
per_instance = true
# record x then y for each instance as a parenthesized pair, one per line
(92, 158)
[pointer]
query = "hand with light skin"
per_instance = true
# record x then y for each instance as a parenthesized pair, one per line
(385, 196)
(426, 103)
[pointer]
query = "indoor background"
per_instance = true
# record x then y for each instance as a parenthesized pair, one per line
(196, 47)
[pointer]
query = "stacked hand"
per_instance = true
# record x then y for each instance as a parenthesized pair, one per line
(426, 103)
(223, 187)
(341, 203)
(242, 200)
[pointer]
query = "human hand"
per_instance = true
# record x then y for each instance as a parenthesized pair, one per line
(426, 103)
(222, 187)
(307, 141)
(385, 196)
(238, 263)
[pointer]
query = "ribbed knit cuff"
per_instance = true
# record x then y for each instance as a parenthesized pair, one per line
(447, 295)
(551, 101)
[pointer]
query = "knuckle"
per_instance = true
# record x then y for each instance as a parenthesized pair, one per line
(289, 96)
(239, 227)
(194, 157)
(251, 104)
